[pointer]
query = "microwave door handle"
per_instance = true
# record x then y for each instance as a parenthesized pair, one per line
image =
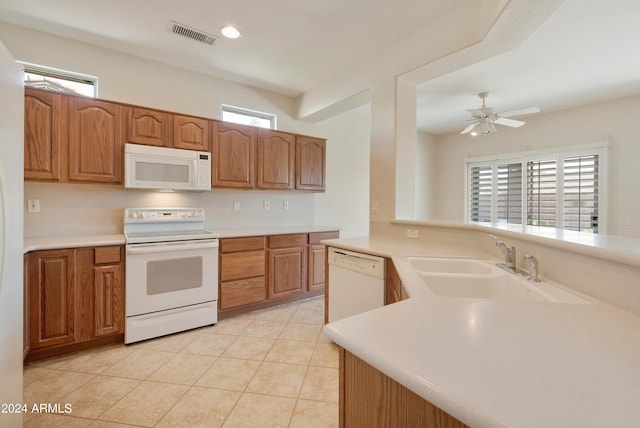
(165, 246)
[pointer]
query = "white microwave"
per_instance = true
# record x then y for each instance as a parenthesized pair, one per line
(161, 168)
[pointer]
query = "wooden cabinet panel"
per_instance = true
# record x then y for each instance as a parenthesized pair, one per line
(95, 141)
(150, 127)
(279, 241)
(317, 260)
(104, 255)
(242, 292)
(242, 265)
(369, 398)
(393, 286)
(190, 133)
(108, 313)
(233, 149)
(317, 237)
(230, 245)
(310, 163)
(287, 271)
(276, 158)
(45, 131)
(51, 293)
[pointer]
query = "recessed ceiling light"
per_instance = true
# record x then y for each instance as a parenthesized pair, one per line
(230, 32)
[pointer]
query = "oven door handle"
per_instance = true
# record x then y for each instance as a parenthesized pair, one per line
(161, 247)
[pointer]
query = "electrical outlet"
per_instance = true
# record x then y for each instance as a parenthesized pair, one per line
(266, 205)
(33, 205)
(413, 233)
(236, 205)
(285, 205)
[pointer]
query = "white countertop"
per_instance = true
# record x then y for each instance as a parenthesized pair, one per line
(494, 363)
(57, 242)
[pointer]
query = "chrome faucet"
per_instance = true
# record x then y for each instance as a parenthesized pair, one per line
(532, 265)
(509, 252)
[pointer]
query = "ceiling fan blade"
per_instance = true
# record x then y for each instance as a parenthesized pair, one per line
(468, 128)
(520, 112)
(509, 122)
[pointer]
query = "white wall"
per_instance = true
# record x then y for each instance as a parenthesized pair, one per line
(426, 175)
(349, 169)
(11, 291)
(81, 209)
(614, 121)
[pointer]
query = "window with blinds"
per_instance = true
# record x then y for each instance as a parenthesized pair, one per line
(560, 190)
(509, 193)
(480, 193)
(581, 193)
(541, 193)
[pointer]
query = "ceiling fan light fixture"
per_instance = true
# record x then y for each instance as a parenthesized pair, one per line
(475, 130)
(485, 127)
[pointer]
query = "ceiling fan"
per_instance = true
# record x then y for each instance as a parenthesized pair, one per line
(485, 117)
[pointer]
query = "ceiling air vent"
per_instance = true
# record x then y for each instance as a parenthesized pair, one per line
(192, 33)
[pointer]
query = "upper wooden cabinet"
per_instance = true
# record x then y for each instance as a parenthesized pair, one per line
(190, 133)
(310, 163)
(276, 157)
(233, 149)
(95, 140)
(45, 130)
(149, 127)
(78, 139)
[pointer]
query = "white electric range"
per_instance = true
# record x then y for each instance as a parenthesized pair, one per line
(171, 272)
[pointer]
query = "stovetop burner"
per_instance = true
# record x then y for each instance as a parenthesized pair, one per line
(146, 225)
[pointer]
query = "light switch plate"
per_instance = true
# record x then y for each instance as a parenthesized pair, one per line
(33, 205)
(285, 205)
(266, 205)
(236, 205)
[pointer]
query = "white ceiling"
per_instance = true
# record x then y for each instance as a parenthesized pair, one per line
(585, 52)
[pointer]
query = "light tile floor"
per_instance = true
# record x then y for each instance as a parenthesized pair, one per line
(268, 368)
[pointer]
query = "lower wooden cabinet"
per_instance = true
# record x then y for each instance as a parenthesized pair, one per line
(261, 271)
(287, 265)
(75, 296)
(318, 260)
(393, 286)
(369, 398)
(241, 272)
(51, 289)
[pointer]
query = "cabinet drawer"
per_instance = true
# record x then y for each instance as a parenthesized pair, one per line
(229, 245)
(242, 292)
(280, 241)
(104, 255)
(315, 238)
(242, 265)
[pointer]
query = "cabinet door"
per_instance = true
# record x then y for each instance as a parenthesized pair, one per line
(45, 129)
(242, 292)
(51, 293)
(276, 157)
(316, 267)
(108, 305)
(149, 127)
(26, 346)
(190, 133)
(234, 155)
(287, 271)
(310, 163)
(95, 141)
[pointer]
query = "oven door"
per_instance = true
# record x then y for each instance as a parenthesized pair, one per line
(168, 275)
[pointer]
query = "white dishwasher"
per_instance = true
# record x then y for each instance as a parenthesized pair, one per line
(356, 283)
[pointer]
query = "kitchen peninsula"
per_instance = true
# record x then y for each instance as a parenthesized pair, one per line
(496, 363)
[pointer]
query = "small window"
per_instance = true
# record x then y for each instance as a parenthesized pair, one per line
(51, 79)
(248, 117)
